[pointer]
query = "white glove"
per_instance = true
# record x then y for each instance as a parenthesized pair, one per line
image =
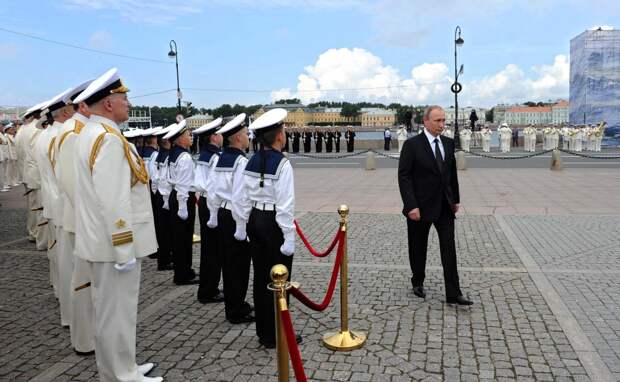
(212, 223)
(153, 187)
(183, 213)
(165, 206)
(288, 248)
(240, 233)
(125, 267)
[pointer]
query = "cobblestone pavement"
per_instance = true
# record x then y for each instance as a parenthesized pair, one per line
(513, 332)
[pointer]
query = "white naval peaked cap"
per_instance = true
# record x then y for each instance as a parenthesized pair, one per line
(132, 133)
(34, 109)
(209, 127)
(79, 89)
(176, 130)
(232, 126)
(269, 120)
(165, 130)
(152, 131)
(108, 83)
(56, 102)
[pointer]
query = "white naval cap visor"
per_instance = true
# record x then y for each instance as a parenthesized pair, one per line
(176, 130)
(209, 128)
(165, 130)
(232, 126)
(108, 83)
(269, 121)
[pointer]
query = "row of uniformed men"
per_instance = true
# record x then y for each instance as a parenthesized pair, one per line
(88, 194)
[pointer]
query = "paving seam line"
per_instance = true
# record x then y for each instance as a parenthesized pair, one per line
(13, 241)
(588, 356)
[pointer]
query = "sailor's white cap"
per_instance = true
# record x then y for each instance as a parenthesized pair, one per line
(233, 126)
(271, 119)
(176, 130)
(108, 83)
(208, 128)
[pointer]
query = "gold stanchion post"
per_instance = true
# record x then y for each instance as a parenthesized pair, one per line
(279, 275)
(345, 339)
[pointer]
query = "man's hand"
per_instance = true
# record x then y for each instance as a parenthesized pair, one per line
(414, 214)
(455, 208)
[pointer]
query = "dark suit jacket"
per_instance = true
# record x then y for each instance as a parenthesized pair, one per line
(422, 185)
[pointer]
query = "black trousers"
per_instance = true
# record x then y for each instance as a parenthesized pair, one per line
(328, 146)
(319, 146)
(350, 146)
(306, 146)
(210, 261)
(386, 144)
(236, 266)
(266, 238)
(337, 145)
(182, 238)
(417, 232)
(515, 141)
(162, 231)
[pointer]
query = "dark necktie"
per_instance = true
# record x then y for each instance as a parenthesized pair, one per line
(438, 157)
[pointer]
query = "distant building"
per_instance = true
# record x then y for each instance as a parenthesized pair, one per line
(195, 121)
(595, 78)
(300, 115)
(556, 113)
(377, 117)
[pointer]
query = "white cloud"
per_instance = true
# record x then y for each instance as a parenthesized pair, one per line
(358, 75)
(141, 11)
(101, 39)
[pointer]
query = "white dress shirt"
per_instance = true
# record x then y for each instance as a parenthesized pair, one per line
(278, 191)
(228, 187)
(181, 176)
(431, 140)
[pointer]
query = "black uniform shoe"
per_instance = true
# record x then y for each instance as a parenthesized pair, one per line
(460, 300)
(187, 282)
(84, 353)
(242, 320)
(272, 345)
(219, 297)
(165, 267)
(419, 291)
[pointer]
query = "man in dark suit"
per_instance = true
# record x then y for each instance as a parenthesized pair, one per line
(429, 188)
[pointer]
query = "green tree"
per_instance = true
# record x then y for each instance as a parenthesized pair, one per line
(350, 110)
(287, 101)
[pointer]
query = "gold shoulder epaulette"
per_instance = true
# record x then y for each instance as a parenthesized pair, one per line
(136, 164)
(51, 154)
(94, 151)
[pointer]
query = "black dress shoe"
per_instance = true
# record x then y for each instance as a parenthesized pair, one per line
(84, 353)
(219, 297)
(242, 320)
(165, 267)
(272, 345)
(187, 282)
(460, 300)
(419, 291)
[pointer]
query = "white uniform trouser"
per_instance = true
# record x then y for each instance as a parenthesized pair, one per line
(401, 142)
(64, 257)
(486, 145)
(31, 225)
(40, 231)
(52, 256)
(116, 315)
(3, 178)
(82, 309)
(11, 172)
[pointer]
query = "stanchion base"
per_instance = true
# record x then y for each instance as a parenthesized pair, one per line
(195, 239)
(344, 341)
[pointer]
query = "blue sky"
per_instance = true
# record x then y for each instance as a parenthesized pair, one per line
(256, 51)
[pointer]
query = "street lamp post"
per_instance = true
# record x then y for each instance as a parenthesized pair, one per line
(456, 86)
(171, 54)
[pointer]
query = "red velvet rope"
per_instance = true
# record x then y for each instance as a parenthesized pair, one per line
(332, 282)
(293, 349)
(309, 246)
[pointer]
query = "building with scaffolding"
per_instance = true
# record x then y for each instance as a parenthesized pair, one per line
(595, 78)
